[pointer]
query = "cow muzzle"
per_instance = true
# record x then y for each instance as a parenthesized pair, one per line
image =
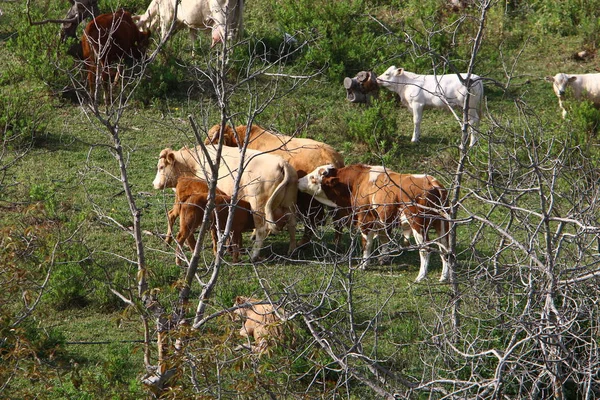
(358, 88)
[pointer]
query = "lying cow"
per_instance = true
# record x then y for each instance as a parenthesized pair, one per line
(220, 17)
(268, 184)
(191, 199)
(107, 40)
(418, 92)
(261, 321)
(303, 154)
(381, 200)
(585, 86)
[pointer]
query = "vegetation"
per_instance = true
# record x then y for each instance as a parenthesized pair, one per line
(95, 307)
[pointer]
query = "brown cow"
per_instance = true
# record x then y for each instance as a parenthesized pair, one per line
(380, 200)
(191, 199)
(303, 154)
(108, 39)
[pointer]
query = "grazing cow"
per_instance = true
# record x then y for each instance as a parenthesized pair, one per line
(221, 17)
(191, 199)
(108, 39)
(267, 183)
(261, 321)
(381, 200)
(418, 92)
(585, 86)
(303, 154)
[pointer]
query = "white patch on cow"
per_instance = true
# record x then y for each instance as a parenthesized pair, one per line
(369, 238)
(311, 184)
(375, 172)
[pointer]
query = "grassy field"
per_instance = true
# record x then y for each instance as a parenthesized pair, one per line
(65, 220)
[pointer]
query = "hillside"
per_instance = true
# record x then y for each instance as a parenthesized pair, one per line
(95, 306)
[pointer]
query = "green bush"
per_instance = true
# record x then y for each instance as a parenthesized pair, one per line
(586, 121)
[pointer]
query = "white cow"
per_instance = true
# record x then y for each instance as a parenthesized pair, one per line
(268, 183)
(219, 16)
(419, 92)
(585, 86)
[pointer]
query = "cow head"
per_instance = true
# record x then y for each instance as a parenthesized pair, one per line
(560, 83)
(229, 136)
(388, 78)
(80, 10)
(360, 86)
(313, 182)
(169, 169)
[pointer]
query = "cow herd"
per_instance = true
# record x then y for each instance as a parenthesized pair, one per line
(270, 180)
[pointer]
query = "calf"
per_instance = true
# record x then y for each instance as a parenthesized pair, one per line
(586, 86)
(418, 92)
(108, 39)
(261, 321)
(380, 200)
(191, 199)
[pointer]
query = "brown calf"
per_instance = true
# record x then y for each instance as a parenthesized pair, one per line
(191, 199)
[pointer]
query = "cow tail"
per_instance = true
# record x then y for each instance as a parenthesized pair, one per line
(280, 195)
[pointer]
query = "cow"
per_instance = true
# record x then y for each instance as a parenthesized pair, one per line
(108, 39)
(584, 86)
(268, 183)
(191, 199)
(359, 88)
(260, 320)
(380, 200)
(302, 154)
(419, 92)
(220, 17)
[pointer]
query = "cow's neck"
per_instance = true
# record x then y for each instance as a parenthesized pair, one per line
(340, 194)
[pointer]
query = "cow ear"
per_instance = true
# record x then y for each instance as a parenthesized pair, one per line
(240, 300)
(572, 78)
(170, 157)
(399, 71)
(549, 79)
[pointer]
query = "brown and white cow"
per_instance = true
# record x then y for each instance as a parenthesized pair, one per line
(220, 17)
(381, 200)
(267, 182)
(191, 199)
(107, 40)
(303, 154)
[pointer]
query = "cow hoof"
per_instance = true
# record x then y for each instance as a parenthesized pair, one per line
(419, 279)
(385, 260)
(444, 279)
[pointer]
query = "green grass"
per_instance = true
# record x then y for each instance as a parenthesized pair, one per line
(59, 201)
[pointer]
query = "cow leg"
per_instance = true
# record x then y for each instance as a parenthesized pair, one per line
(236, 244)
(171, 217)
(260, 233)
(417, 110)
(424, 254)
(442, 227)
(367, 244)
(562, 107)
(474, 122)
(291, 227)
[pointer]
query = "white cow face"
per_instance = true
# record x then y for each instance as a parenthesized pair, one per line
(311, 184)
(387, 78)
(560, 82)
(164, 172)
